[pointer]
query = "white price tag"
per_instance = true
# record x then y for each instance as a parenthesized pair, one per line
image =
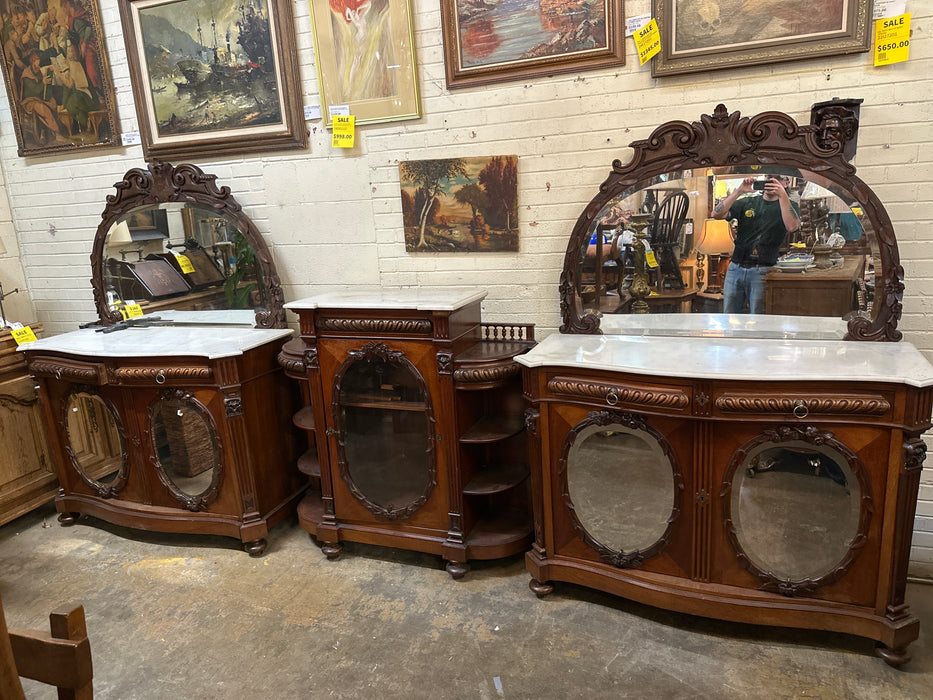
(312, 112)
(130, 139)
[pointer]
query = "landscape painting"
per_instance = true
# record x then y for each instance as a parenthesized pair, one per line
(456, 205)
(494, 40)
(209, 69)
(57, 75)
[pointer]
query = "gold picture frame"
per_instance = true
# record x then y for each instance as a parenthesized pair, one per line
(365, 56)
(213, 79)
(714, 34)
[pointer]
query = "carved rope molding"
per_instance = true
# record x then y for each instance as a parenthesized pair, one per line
(600, 390)
(481, 375)
(374, 325)
(58, 370)
(151, 373)
(874, 405)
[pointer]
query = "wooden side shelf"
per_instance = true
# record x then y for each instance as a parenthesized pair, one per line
(502, 530)
(491, 480)
(309, 464)
(493, 429)
(304, 419)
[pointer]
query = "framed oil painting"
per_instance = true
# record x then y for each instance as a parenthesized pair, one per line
(710, 34)
(213, 77)
(57, 76)
(493, 42)
(365, 51)
(454, 205)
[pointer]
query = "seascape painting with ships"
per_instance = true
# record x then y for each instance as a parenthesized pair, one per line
(210, 65)
(497, 31)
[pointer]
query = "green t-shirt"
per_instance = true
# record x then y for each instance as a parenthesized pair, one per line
(760, 231)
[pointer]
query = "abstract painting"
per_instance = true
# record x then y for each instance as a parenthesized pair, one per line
(489, 42)
(366, 59)
(453, 205)
(213, 76)
(700, 35)
(57, 76)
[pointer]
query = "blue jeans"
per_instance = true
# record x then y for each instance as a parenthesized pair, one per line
(744, 284)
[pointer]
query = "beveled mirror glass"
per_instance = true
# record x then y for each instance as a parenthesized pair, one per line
(842, 264)
(95, 442)
(171, 240)
(385, 423)
(795, 509)
(621, 486)
(185, 445)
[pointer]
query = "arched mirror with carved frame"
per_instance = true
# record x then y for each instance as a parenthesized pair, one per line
(170, 239)
(698, 160)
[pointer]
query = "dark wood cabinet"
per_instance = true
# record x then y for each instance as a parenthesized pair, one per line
(414, 424)
(763, 481)
(171, 429)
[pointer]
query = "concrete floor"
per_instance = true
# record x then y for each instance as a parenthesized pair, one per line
(176, 616)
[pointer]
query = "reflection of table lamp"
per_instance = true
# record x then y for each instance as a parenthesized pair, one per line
(120, 236)
(2, 295)
(715, 242)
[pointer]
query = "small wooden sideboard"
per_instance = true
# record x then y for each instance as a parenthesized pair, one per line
(415, 423)
(771, 481)
(27, 476)
(814, 292)
(172, 429)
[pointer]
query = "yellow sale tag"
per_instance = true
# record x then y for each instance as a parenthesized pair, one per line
(134, 310)
(23, 335)
(650, 259)
(647, 41)
(892, 39)
(344, 131)
(184, 263)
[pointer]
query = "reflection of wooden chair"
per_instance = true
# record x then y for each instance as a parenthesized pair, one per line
(62, 658)
(664, 236)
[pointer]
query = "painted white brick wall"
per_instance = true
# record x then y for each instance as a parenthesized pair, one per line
(333, 218)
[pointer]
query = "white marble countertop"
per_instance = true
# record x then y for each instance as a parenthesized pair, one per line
(736, 358)
(160, 341)
(414, 298)
(210, 317)
(725, 325)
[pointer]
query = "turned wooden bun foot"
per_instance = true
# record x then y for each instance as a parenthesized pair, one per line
(540, 589)
(892, 657)
(67, 519)
(255, 548)
(457, 569)
(332, 550)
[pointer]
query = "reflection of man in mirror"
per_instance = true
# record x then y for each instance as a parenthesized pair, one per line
(763, 224)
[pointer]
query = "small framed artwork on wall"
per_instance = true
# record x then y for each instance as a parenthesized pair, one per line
(702, 36)
(365, 51)
(454, 205)
(57, 76)
(213, 77)
(487, 42)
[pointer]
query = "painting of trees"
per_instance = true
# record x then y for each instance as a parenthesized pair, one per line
(460, 204)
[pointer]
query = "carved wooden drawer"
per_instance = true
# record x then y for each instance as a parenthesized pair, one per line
(802, 404)
(69, 370)
(637, 396)
(167, 374)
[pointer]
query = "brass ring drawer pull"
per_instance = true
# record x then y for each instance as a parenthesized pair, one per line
(800, 408)
(160, 377)
(612, 398)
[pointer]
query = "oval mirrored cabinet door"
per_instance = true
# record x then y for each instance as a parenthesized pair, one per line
(95, 442)
(385, 423)
(186, 449)
(622, 487)
(796, 511)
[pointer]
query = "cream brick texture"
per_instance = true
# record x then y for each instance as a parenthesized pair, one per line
(333, 218)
